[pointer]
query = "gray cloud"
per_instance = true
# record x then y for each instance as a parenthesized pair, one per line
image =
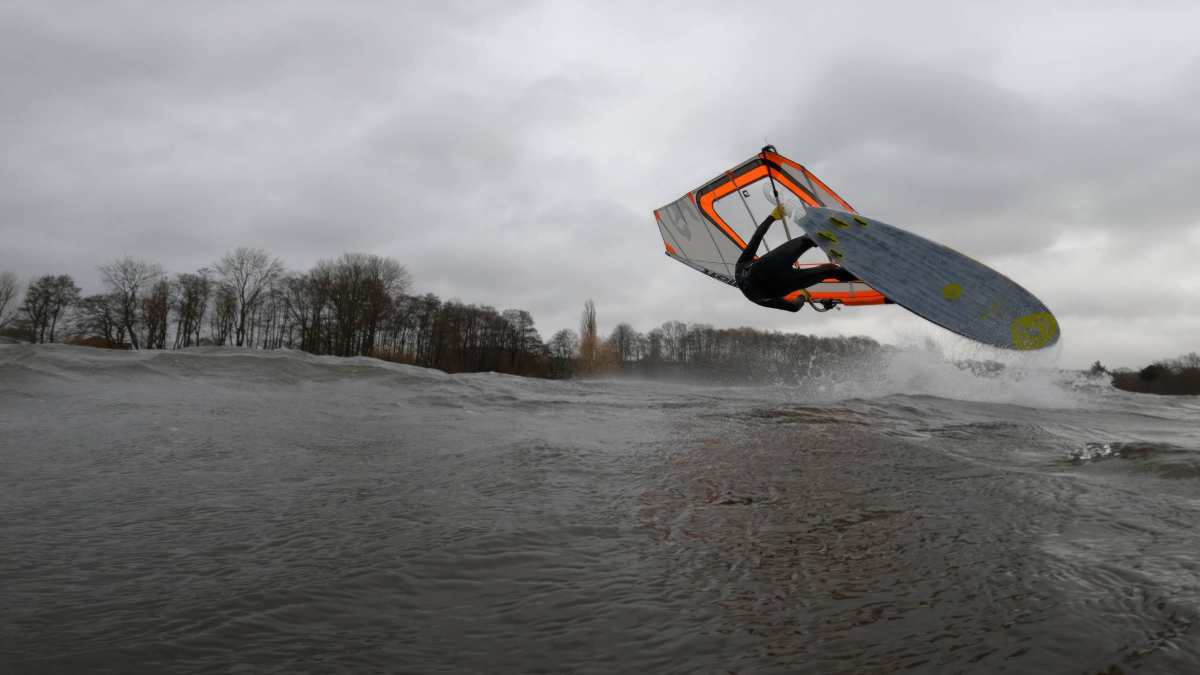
(949, 151)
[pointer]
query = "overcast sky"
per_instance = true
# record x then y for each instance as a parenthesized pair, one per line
(511, 154)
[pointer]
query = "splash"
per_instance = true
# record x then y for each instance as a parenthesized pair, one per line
(955, 368)
(1090, 451)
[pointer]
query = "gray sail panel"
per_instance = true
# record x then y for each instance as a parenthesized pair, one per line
(693, 238)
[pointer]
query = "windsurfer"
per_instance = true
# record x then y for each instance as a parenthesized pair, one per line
(766, 280)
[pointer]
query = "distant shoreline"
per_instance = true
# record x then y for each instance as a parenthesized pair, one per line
(1171, 377)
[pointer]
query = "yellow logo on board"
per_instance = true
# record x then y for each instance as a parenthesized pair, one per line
(1033, 331)
(952, 291)
(828, 236)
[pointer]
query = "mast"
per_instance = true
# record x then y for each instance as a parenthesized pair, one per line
(778, 201)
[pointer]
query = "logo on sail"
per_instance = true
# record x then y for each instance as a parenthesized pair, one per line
(1033, 331)
(680, 223)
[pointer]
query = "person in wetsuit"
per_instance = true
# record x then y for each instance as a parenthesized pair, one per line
(768, 279)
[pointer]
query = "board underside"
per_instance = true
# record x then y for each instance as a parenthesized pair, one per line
(933, 281)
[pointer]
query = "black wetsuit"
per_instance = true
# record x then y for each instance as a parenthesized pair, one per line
(768, 279)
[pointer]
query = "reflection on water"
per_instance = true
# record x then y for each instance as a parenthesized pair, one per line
(228, 510)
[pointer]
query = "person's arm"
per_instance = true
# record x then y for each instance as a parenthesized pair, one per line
(751, 249)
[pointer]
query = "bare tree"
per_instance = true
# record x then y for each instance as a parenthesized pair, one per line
(10, 294)
(673, 333)
(101, 315)
(46, 302)
(521, 339)
(357, 292)
(1189, 361)
(587, 322)
(63, 294)
(386, 280)
(156, 314)
(641, 347)
(562, 352)
(223, 317)
(273, 320)
(307, 298)
(246, 272)
(625, 339)
(192, 291)
(35, 310)
(653, 351)
(125, 279)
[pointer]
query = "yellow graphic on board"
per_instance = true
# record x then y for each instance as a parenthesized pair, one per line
(1033, 331)
(836, 253)
(860, 221)
(952, 291)
(828, 236)
(838, 221)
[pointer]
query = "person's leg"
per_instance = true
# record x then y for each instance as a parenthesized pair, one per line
(780, 282)
(804, 277)
(786, 254)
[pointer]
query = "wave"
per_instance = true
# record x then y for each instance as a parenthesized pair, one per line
(210, 371)
(281, 365)
(982, 374)
(928, 369)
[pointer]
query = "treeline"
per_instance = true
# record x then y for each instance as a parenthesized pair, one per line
(360, 305)
(1177, 376)
(354, 305)
(702, 352)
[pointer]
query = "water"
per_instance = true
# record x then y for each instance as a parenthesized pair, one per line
(224, 510)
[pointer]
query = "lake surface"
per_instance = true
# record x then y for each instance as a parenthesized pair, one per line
(222, 510)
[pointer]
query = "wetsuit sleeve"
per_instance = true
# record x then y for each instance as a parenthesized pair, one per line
(780, 303)
(752, 246)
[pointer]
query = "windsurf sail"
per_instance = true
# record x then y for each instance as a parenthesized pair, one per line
(707, 228)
